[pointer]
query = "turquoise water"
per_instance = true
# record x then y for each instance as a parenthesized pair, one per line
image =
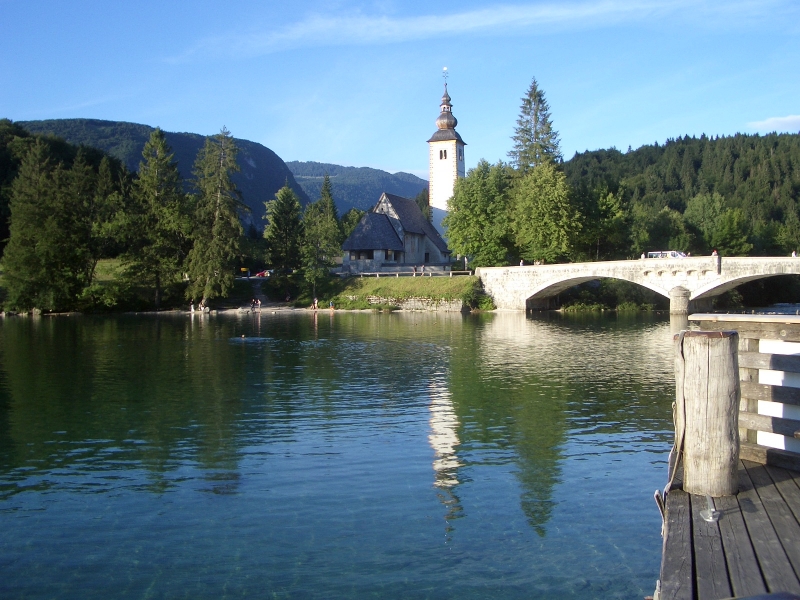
(345, 455)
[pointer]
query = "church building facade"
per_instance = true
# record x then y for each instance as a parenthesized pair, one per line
(394, 235)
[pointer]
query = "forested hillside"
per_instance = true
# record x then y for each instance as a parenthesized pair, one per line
(737, 193)
(358, 187)
(16, 142)
(262, 173)
(67, 208)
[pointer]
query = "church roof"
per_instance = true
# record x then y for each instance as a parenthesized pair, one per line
(413, 221)
(373, 232)
(444, 135)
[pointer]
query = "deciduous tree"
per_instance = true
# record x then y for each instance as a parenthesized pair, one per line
(543, 219)
(731, 234)
(478, 223)
(349, 221)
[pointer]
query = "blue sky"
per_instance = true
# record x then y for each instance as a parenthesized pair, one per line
(359, 83)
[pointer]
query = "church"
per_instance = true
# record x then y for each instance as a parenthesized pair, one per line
(394, 235)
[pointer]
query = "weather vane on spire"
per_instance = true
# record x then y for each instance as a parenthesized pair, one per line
(445, 74)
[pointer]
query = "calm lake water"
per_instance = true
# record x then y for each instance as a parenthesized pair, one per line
(344, 455)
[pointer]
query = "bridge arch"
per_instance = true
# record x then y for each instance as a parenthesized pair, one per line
(550, 289)
(682, 280)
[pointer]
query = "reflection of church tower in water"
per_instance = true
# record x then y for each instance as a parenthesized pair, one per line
(445, 156)
(443, 438)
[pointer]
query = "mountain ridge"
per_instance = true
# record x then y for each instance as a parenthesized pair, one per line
(354, 187)
(262, 173)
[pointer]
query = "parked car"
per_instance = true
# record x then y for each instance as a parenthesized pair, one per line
(666, 254)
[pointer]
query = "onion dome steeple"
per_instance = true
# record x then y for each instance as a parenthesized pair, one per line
(446, 120)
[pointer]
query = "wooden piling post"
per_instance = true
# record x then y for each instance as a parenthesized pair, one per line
(707, 410)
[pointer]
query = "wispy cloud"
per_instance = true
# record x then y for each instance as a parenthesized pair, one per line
(359, 29)
(790, 123)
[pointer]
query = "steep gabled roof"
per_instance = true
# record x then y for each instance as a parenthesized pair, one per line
(413, 221)
(373, 232)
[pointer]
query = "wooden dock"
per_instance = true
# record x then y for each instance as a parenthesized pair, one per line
(753, 549)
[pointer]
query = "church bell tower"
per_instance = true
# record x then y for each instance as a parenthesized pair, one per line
(445, 156)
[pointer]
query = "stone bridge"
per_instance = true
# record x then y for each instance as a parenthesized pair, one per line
(689, 283)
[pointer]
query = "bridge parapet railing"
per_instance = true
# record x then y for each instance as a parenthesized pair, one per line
(427, 273)
(769, 374)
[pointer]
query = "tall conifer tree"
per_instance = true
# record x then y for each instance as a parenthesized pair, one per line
(218, 230)
(322, 236)
(284, 231)
(46, 259)
(535, 140)
(157, 225)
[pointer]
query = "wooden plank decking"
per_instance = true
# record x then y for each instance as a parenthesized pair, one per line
(753, 549)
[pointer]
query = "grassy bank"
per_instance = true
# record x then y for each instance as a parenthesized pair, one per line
(355, 292)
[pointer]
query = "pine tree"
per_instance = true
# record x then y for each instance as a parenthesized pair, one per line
(349, 221)
(218, 230)
(284, 231)
(157, 225)
(423, 201)
(46, 261)
(322, 237)
(535, 140)
(108, 205)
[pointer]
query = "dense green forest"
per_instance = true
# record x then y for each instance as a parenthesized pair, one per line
(66, 209)
(262, 172)
(355, 187)
(16, 142)
(738, 194)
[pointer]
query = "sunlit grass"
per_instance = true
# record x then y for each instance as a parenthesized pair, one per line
(401, 288)
(107, 269)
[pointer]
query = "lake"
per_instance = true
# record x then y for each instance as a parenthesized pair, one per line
(337, 455)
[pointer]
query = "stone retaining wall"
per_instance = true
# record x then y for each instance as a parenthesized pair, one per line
(421, 304)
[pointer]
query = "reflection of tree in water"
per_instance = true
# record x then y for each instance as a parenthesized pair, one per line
(539, 431)
(505, 407)
(124, 393)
